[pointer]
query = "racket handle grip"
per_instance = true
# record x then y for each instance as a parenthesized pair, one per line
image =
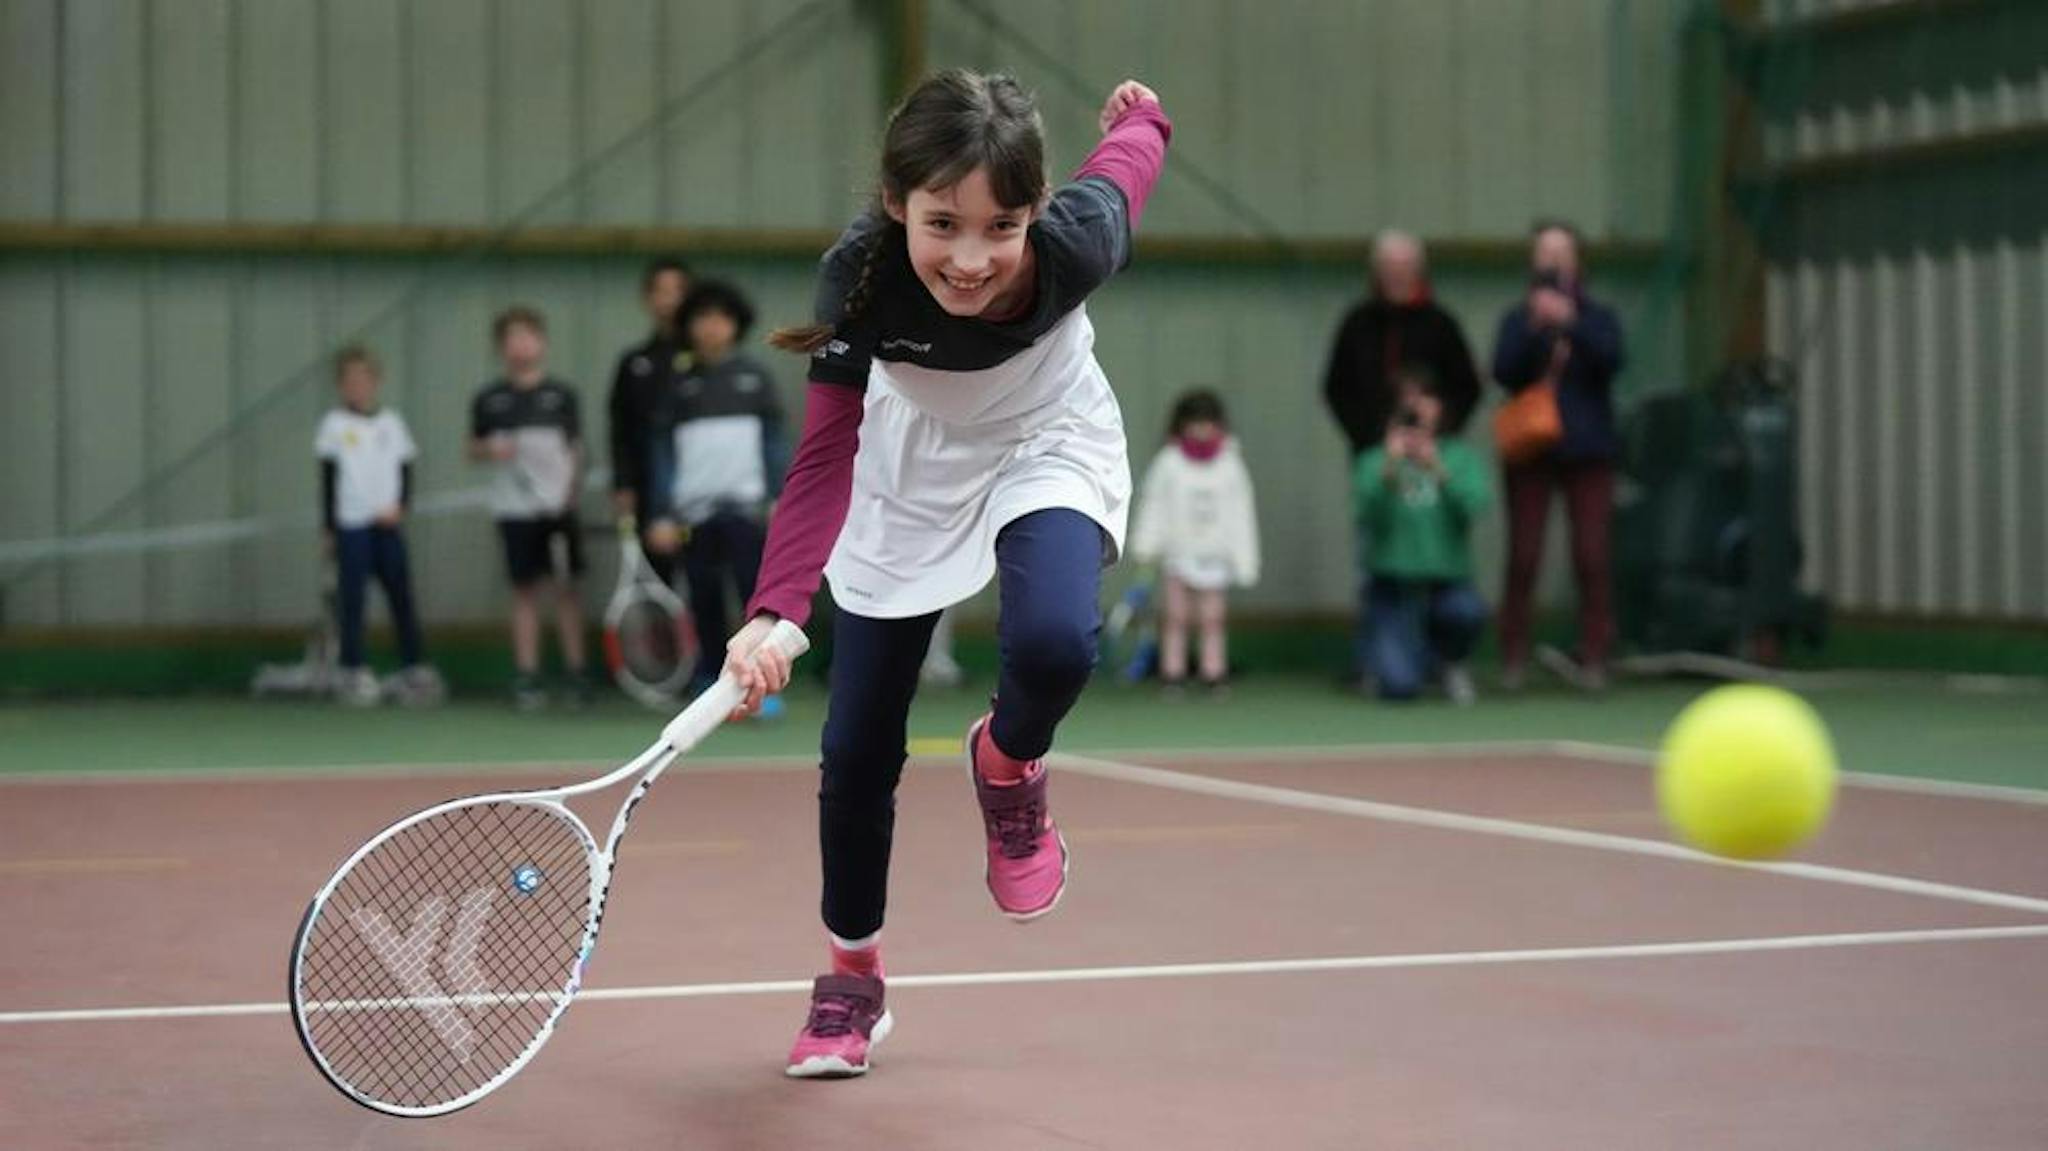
(709, 710)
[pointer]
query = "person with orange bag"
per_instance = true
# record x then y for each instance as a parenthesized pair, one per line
(1560, 340)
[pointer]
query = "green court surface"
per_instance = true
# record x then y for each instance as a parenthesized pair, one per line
(1927, 730)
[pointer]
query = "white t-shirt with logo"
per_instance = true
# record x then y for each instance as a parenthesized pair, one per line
(370, 453)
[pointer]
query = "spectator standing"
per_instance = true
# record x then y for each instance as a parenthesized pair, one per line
(526, 425)
(637, 382)
(1560, 335)
(366, 453)
(718, 452)
(1196, 518)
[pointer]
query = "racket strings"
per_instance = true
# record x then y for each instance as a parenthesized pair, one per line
(440, 956)
(417, 1058)
(652, 643)
(418, 1064)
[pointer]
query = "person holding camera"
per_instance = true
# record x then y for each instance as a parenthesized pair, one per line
(1561, 339)
(1417, 497)
(1399, 323)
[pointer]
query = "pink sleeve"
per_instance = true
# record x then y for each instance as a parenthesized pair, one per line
(1131, 154)
(813, 505)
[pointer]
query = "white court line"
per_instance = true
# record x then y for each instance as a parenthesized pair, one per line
(1910, 784)
(432, 769)
(1562, 748)
(1535, 832)
(1163, 971)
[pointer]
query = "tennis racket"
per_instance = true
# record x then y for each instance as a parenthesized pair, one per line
(438, 959)
(1132, 654)
(650, 642)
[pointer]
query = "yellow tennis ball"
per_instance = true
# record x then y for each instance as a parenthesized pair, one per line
(1747, 772)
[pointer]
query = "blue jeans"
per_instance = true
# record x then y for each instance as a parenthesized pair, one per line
(359, 555)
(1418, 626)
(1051, 568)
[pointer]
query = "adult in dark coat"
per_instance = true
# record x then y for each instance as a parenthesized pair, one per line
(639, 380)
(1399, 324)
(1561, 334)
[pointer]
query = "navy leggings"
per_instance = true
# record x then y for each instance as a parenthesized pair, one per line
(723, 549)
(1051, 571)
(363, 554)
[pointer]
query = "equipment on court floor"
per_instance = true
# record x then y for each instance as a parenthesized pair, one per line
(650, 641)
(318, 673)
(1707, 547)
(1747, 771)
(437, 960)
(1132, 655)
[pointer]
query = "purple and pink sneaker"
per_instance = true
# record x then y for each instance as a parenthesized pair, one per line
(1027, 859)
(847, 1022)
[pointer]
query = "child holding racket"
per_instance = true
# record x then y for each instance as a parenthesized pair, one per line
(1195, 514)
(717, 460)
(956, 424)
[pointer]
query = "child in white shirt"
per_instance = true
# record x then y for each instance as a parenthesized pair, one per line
(1197, 519)
(366, 455)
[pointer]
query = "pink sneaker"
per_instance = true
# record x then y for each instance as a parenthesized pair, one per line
(847, 1021)
(1027, 859)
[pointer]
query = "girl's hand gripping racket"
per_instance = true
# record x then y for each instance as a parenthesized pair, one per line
(437, 960)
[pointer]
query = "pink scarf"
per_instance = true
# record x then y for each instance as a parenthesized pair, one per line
(1200, 451)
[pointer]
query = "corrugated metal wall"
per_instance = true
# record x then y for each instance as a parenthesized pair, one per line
(196, 378)
(1455, 118)
(1909, 285)
(448, 112)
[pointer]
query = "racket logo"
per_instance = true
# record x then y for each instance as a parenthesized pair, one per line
(408, 959)
(526, 877)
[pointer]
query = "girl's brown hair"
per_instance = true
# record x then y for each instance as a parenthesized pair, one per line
(955, 122)
(1197, 406)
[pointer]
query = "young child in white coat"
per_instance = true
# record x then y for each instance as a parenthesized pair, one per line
(1197, 520)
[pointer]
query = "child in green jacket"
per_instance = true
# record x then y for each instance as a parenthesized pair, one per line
(1417, 497)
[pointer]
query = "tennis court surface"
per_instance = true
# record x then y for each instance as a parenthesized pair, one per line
(1401, 945)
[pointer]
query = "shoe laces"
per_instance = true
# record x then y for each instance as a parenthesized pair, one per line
(831, 1015)
(1016, 828)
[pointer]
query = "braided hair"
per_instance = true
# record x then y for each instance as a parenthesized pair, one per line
(954, 123)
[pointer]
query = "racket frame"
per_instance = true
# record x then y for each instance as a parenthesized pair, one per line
(683, 733)
(637, 582)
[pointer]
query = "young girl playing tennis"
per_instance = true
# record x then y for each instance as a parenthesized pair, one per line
(956, 423)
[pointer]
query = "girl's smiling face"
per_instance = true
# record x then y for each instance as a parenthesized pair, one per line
(968, 250)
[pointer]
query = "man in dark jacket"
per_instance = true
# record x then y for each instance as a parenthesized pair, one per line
(1561, 334)
(638, 382)
(1398, 325)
